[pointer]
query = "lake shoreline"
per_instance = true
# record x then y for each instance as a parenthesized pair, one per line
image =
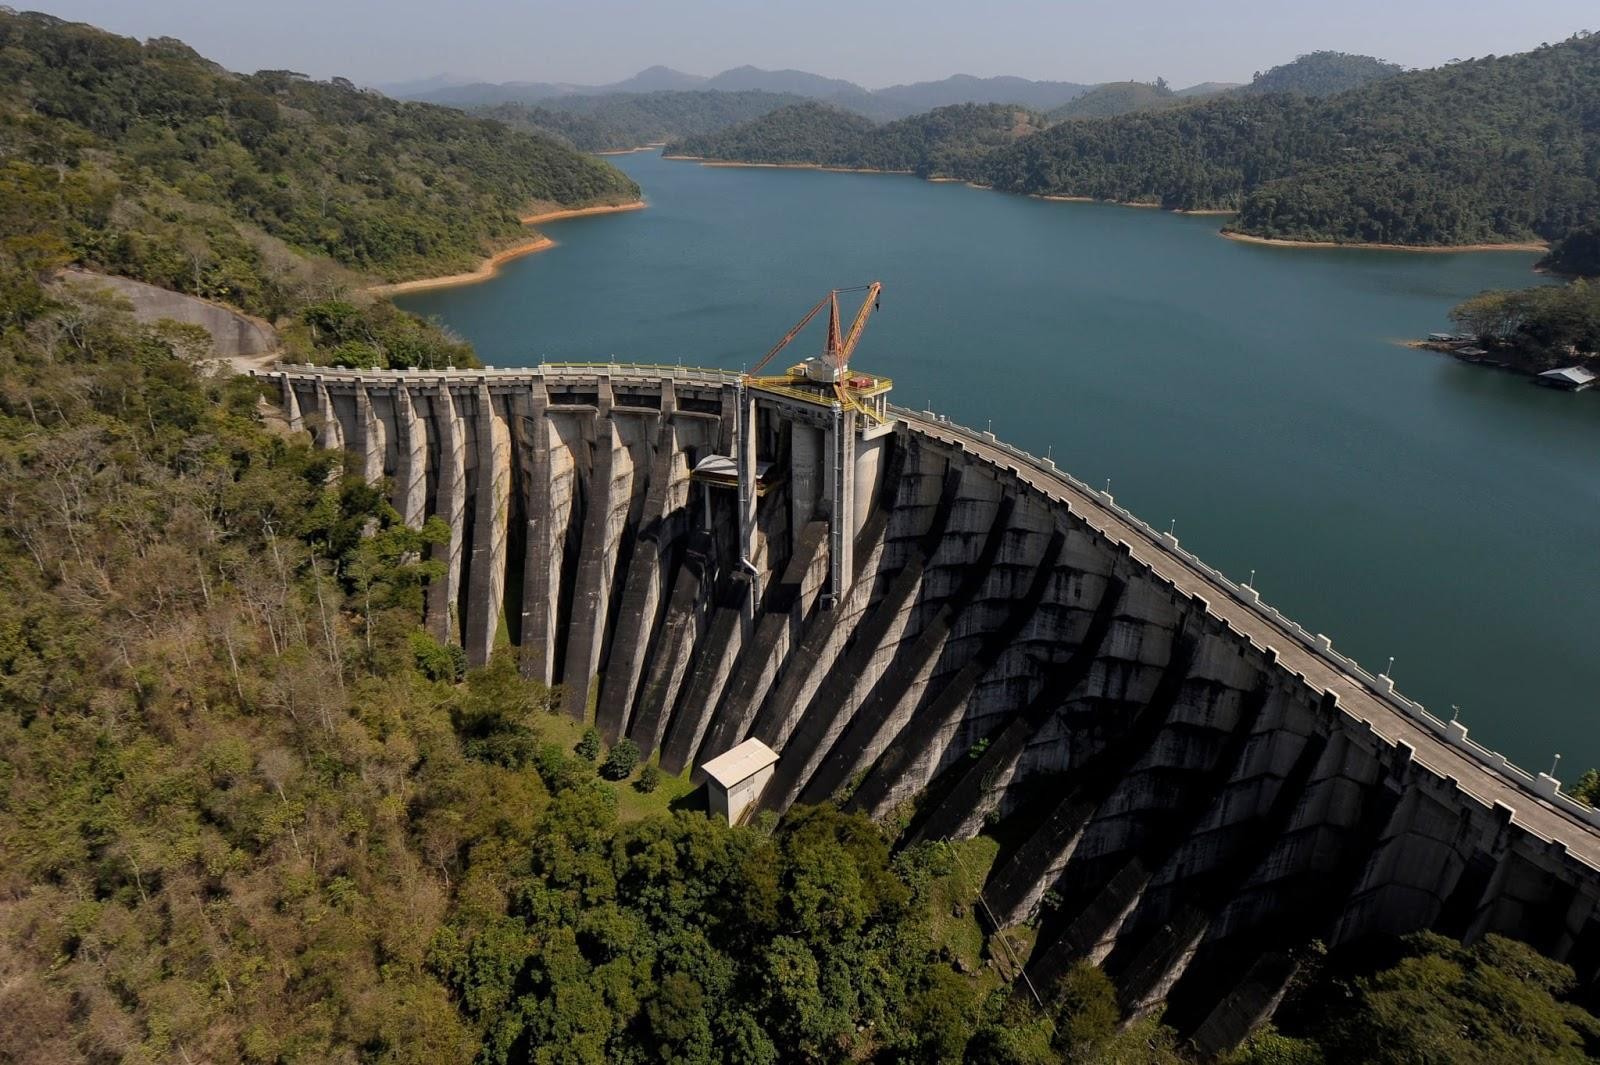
(580, 212)
(486, 269)
(1155, 333)
(1430, 249)
(490, 266)
(729, 164)
(630, 151)
(1494, 360)
(1219, 212)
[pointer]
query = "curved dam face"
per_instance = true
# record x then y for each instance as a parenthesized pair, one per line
(925, 623)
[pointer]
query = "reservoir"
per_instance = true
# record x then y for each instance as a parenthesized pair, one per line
(1404, 504)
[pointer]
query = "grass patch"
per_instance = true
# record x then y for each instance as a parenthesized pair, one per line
(632, 804)
(956, 920)
(635, 805)
(953, 902)
(557, 727)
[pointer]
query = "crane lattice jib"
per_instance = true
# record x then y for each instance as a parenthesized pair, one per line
(839, 354)
(838, 348)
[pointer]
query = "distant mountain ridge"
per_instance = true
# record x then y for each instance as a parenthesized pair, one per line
(798, 82)
(1118, 98)
(896, 101)
(1208, 88)
(1329, 148)
(1318, 73)
(623, 120)
(965, 88)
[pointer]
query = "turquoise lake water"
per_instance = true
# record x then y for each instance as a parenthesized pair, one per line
(1401, 502)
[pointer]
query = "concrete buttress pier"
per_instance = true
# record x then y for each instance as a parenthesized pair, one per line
(921, 620)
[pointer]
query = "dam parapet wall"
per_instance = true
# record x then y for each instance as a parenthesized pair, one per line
(1451, 733)
(1192, 783)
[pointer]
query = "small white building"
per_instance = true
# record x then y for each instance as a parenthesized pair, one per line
(1571, 378)
(735, 778)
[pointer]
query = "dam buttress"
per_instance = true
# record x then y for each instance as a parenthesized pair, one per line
(931, 625)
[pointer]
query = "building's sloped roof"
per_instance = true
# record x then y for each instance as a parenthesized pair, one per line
(740, 763)
(1575, 374)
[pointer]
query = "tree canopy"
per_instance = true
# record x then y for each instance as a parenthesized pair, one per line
(1119, 98)
(1577, 253)
(1428, 1000)
(615, 121)
(1541, 327)
(1494, 150)
(155, 156)
(939, 142)
(1322, 74)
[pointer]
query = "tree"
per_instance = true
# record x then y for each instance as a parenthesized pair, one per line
(621, 760)
(1541, 327)
(1577, 253)
(588, 747)
(1495, 1001)
(649, 778)
(1086, 1012)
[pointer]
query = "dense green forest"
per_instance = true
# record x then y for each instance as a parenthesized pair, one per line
(937, 143)
(895, 101)
(616, 121)
(1494, 150)
(903, 101)
(1537, 328)
(1577, 253)
(1119, 98)
(150, 152)
(251, 811)
(1322, 74)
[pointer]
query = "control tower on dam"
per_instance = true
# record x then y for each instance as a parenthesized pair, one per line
(924, 622)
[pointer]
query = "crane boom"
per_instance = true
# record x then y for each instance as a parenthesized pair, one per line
(839, 355)
(828, 375)
(792, 333)
(839, 345)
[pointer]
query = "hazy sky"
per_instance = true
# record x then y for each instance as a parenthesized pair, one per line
(869, 42)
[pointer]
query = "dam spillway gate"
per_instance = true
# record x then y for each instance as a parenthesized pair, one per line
(1201, 785)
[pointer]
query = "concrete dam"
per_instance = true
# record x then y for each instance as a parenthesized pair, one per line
(929, 625)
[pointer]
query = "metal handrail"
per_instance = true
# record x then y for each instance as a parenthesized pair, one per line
(1453, 733)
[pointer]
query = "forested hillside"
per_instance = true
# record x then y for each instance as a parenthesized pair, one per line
(900, 101)
(802, 133)
(1118, 98)
(250, 811)
(896, 101)
(1208, 88)
(1539, 328)
(168, 168)
(1577, 253)
(1495, 150)
(938, 143)
(617, 121)
(1322, 74)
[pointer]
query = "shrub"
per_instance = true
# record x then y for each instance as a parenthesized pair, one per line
(588, 747)
(437, 661)
(649, 778)
(620, 762)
